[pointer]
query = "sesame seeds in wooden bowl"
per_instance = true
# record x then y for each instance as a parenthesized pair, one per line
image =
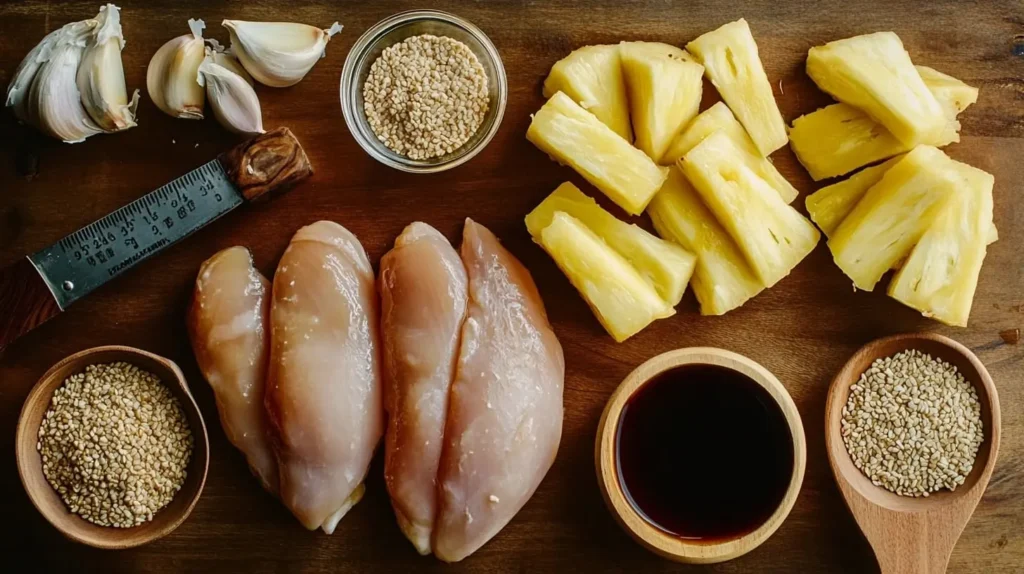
(913, 533)
(136, 510)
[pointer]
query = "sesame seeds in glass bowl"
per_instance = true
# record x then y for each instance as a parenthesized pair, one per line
(423, 91)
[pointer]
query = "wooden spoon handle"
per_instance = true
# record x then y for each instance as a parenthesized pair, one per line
(25, 301)
(915, 543)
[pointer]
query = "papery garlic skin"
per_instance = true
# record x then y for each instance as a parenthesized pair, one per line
(278, 54)
(18, 89)
(232, 98)
(171, 78)
(101, 75)
(54, 104)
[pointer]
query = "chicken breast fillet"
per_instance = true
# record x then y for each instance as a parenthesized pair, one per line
(505, 407)
(227, 324)
(323, 394)
(423, 304)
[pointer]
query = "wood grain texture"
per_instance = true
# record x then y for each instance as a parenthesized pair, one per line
(268, 163)
(606, 455)
(25, 300)
(913, 535)
(803, 330)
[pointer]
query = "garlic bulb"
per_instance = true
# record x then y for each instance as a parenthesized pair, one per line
(54, 104)
(18, 89)
(171, 78)
(101, 75)
(278, 54)
(231, 96)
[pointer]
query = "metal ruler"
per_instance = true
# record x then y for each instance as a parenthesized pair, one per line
(102, 250)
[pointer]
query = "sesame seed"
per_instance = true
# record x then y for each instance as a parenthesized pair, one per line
(426, 96)
(912, 424)
(115, 444)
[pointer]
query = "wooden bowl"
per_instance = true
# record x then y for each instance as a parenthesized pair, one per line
(653, 538)
(46, 499)
(912, 534)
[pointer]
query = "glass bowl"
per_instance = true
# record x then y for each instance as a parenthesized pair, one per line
(393, 30)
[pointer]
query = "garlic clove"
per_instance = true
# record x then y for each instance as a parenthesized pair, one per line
(18, 89)
(229, 61)
(101, 75)
(171, 78)
(278, 54)
(54, 104)
(232, 98)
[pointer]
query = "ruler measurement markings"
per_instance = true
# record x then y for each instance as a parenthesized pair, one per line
(90, 256)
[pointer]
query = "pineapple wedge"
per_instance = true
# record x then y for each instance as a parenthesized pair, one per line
(874, 73)
(623, 301)
(592, 77)
(575, 137)
(838, 139)
(941, 274)
(773, 236)
(829, 206)
(720, 117)
(953, 95)
(664, 92)
(891, 217)
(731, 62)
(665, 265)
(722, 280)
(659, 49)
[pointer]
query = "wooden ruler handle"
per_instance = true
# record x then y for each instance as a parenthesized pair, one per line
(25, 301)
(267, 163)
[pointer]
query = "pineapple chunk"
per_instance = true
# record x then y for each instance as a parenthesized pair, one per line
(658, 50)
(719, 117)
(953, 95)
(592, 77)
(623, 301)
(840, 138)
(731, 62)
(830, 205)
(664, 93)
(891, 217)
(665, 265)
(773, 236)
(722, 280)
(574, 136)
(941, 274)
(874, 73)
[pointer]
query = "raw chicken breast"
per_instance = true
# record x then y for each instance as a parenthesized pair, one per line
(505, 411)
(227, 324)
(423, 304)
(323, 381)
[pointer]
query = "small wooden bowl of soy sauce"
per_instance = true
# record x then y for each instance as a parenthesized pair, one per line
(700, 454)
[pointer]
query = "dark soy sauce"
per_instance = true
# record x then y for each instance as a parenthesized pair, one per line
(704, 453)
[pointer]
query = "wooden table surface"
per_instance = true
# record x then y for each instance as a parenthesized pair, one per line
(803, 330)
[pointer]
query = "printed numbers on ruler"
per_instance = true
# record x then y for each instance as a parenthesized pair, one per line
(151, 222)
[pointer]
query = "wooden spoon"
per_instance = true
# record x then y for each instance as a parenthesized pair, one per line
(912, 535)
